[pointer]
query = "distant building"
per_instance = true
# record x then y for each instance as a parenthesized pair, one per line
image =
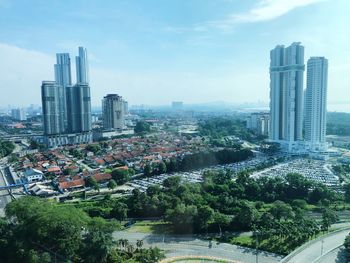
(64, 79)
(82, 66)
(67, 108)
(259, 122)
(177, 105)
(19, 114)
(51, 93)
(113, 111)
(316, 102)
(79, 108)
(286, 95)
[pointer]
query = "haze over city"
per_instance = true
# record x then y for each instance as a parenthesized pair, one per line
(154, 52)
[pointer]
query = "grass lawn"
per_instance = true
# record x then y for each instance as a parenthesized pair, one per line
(150, 227)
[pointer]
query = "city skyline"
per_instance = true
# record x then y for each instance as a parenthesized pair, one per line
(157, 57)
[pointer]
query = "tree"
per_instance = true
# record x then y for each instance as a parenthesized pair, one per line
(142, 126)
(347, 243)
(204, 217)
(139, 243)
(121, 176)
(112, 184)
(91, 182)
(147, 170)
(162, 169)
(281, 210)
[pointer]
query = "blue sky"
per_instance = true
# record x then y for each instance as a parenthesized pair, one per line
(155, 51)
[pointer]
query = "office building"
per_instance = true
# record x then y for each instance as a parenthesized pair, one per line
(316, 102)
(19, 114)
(286, 94)
(82, 66)
(113, 110)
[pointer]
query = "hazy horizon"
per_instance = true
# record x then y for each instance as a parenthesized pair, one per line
(154, 52)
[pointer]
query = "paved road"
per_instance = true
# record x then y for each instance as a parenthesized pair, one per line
(5, 198)
(175, 246)
(338, 255)
(313, 250)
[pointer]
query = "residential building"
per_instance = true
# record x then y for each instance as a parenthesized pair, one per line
(63, 78)
(316, 102)
(67, 107)
(286, 95)
(79, 108)
(82, 66)
(53, 122)
(19, 114)
(33, 175)
(259, 122)
(113, 110)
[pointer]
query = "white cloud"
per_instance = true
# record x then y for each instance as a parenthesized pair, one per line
(22, 71)
(264, 10)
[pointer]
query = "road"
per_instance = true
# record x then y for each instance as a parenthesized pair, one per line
(337, 255)
(319, 250)
(175, 246)
(5, 197)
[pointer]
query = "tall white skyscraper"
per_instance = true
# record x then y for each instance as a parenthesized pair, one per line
(82, 66)
(286, 94)
(316, 102)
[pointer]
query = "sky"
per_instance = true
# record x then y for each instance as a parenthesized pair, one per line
(154, 52)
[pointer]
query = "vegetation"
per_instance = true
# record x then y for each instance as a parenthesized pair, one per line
(122, 176)
(6, 148)
(217, 128)
(273, 207)
(198, 160)
(142, 126)
(36, 230)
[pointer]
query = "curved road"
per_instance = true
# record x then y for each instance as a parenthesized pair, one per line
(176, 246)
(324, 249)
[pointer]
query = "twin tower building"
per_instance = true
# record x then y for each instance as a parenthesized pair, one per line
(67, 107)
(298, 116)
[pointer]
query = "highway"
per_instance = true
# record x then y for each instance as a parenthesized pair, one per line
(324, 249)
(177, 246)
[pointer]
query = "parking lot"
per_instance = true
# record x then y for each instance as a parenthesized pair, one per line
(316, 170)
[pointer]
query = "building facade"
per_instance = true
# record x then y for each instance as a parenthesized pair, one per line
(316, 102)
(51, 105)
(19, 114)
(286, 94)
(113, 110)
(82, 66)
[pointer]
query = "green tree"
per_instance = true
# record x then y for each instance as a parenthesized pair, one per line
(121, 176)
(112, 184)
(147, 170)
(142, 126)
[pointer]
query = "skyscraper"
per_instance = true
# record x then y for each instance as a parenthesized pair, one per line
(51, 103)
(82, 66)
(67, 108)
(64, 79)
(286, 93)
(63, 70)
(316, 102)
(113, 110)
